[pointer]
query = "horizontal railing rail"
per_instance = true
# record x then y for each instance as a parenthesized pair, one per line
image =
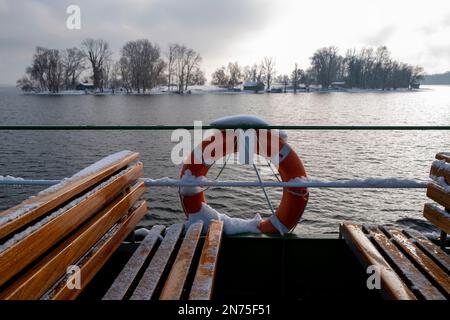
(206, 127)
(374, 183)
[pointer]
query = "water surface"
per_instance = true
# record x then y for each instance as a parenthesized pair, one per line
(327, 155)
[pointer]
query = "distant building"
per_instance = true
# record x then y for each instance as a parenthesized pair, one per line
(276, 90)
(338, 84)
(82, 86)
(415, 85)
(253, 86)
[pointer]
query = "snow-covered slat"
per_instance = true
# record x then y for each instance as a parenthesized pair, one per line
(420, 285)
(97, 256)
(27, 245)
(203, 285)
(34, 283)
(176, 281)
(438, 255)
(420, 259)
(124, 281)
(392, 286)
(51, 198)
(153, 275)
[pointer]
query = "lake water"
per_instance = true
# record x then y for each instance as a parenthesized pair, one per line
(327, 155)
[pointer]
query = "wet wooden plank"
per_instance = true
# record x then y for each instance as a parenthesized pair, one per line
(439, 171)
(438, 194)
(127, 276)
(420, 259)
(433, 251)
(391, 284)
(41, 277)
(203, 285)
(152, 276)
(418, 283)
(16, 257)
(176, 281)
(443, 156)
(42, 204)
(95, 259)
(437, 216)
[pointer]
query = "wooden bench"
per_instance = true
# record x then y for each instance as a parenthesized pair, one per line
(439, 216)
(410, 265)
(170, 266)
(67, 232)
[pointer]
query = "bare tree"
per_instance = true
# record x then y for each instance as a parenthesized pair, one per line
(325, 62)
(296, 77)
(97, 52)
(234, 74)
(73, 60)
(141, 64)
(185, 62)
(126, 74)
(417, 75)
(220, 77)
(285, 81)
(46, 69)
(197, 77)
(193, 60)
(268, 65)
(171, 56)
(116, 77)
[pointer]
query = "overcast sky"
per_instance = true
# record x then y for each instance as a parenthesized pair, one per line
(417, 32)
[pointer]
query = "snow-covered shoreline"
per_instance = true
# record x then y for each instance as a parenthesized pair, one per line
(199, 90)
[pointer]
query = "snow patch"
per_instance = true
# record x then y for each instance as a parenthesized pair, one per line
(230, 225)
(357, 183)
(21, 235)
(97, 166)
(18, 213)
(240, 120)
(188, 177)
(11, 179)
(142, 232)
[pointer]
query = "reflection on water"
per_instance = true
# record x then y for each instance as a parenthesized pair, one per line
(327, 155)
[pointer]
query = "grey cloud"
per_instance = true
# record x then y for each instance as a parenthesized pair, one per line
(381, 37)
(206, 25)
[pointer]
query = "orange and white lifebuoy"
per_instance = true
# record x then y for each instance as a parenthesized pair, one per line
(290, 167)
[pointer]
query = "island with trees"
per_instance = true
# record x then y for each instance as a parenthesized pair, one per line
(143, 68)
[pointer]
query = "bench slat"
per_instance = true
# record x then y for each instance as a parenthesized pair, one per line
(432, 250)
(438, 171)
(95, 259)
(437, 217)
(127, 276)
(443, 156)
(176, 280)
(41, 277)
(421, 259)
(416, 279)
(202, 287)
(22, 253)
(438, 194)
(391, 284)
(42, 204)
(158, 265)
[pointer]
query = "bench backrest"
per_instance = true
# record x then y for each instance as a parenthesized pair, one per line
(439, 213)
(68, 231)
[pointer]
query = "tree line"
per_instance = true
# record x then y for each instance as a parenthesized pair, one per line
(367, 68)
(141, 67)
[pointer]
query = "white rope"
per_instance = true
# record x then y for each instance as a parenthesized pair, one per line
(373, 183)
